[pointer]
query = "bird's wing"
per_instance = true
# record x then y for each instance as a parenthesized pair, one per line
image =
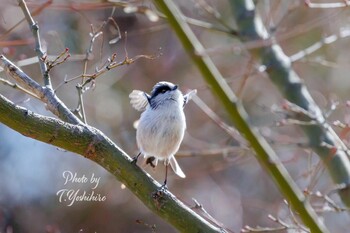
(189, 96)
(139, 100)
(176, 168)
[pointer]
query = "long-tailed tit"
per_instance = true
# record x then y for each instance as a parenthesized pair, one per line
(162, 124)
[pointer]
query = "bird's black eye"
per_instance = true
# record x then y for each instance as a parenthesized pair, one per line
(160, 90)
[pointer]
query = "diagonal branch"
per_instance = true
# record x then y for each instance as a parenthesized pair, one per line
(46, 94)
(264, 153)
(322, 138)
(94, 145)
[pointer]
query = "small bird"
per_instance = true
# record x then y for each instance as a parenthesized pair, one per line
(162, 124)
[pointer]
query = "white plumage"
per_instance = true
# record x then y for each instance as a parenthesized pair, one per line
(162, 125)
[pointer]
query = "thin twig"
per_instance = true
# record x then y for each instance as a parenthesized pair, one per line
(282, 226)
(114, 23)
(16, 86)
(80, 107)
(58, 60)
(344, 3)
(344, 33)
(21, 78)
(206, 25)
(36, 11)
(246, 75)
(211, 11)
(93, 36)
(34, 27)
(211, 218)
(111, 64)
(295, 219)
(225, 151)
(270, 15)
(33, 60)
(315, 174)
(271, 40)
(214, 117)
(330, 204)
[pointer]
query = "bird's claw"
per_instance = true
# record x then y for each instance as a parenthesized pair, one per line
(163, 188)
(134, 160)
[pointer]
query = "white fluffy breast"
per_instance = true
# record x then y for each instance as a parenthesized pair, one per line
(160, 131)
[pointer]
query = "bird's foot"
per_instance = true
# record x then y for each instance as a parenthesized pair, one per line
(159, 193)
(163, 188)
(134, 160)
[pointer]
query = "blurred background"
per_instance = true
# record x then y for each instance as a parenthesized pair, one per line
(222, 175)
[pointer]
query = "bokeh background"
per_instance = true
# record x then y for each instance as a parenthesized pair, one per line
(221, 175)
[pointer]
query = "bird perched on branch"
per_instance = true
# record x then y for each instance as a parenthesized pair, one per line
(162, 125)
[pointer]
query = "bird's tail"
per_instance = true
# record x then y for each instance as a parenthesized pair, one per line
(176, 168)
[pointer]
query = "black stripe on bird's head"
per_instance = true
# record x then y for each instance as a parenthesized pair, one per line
(162, 87)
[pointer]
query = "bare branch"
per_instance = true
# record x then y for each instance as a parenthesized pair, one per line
(21, 78)
(211, 218)
(282, 224)
(16, 86)
(58, 60)
(36, 11)
(46, 94)
(224, 151)
(34, 27)
(213, 116)
(215, 14)
(80, 107)
(344, 33)
(342, 4)
(111, 64)
(327, 204)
